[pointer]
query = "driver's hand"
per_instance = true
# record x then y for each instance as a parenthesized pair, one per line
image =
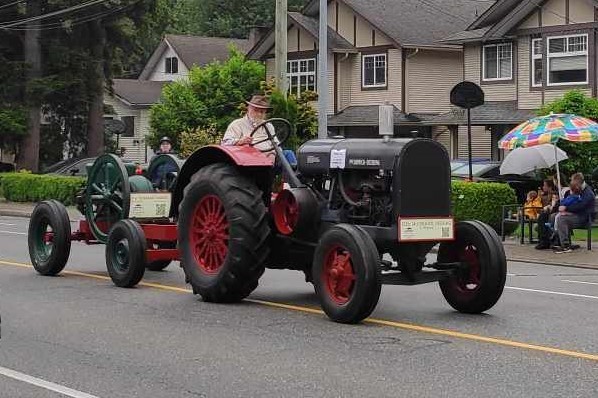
(244, 141)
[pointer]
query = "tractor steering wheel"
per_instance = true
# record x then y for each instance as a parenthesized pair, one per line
(271, 135)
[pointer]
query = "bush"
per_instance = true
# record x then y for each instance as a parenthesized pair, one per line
(194, 139)
(481, 201)
(27, 187)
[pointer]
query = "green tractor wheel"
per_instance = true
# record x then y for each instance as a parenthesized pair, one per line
(108, 195)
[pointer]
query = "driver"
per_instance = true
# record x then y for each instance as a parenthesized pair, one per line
(239, 130)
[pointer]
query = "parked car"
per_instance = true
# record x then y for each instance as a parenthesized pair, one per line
(70, 167)
(489, 171)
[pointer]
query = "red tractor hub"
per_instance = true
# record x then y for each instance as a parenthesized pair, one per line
(209, 234)
(294, 211)
(338, 275)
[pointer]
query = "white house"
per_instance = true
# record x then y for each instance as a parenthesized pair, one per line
(131, 99)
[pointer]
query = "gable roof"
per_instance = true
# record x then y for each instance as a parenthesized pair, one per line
(367, 115)
(497, 21)
(336, 43)
(194, 50)
(138, 93)
(413, 23)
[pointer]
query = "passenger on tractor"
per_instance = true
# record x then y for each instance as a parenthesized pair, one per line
(158, 176)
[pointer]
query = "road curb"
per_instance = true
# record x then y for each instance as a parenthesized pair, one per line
(15, 213)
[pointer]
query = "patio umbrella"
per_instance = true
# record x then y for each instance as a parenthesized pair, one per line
(523, 160)
(550, 129)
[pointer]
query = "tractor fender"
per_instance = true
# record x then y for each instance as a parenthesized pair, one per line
(253, 162)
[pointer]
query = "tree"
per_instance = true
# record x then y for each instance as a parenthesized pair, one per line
(232, 18)
(583, 156)
(210, 97)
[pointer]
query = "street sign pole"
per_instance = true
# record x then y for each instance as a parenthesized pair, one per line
(280, 47)
(323, 71)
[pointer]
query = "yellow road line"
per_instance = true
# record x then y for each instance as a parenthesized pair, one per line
(374, 321)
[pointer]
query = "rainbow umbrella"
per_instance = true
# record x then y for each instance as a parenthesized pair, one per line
(550, 129)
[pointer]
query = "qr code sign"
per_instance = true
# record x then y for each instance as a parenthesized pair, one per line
(446, 232)
(161, 209)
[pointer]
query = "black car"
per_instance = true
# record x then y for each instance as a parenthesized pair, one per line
(489, 171)
(70, 167)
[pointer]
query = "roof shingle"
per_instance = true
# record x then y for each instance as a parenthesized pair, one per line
(138, 92)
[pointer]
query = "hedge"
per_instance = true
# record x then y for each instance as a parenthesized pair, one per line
(27, 187)
(481, 201)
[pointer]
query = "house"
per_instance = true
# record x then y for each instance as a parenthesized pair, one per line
(130, 99)
(525, 53)
(397, 52)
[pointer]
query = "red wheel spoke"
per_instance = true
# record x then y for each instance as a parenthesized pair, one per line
(210, 234)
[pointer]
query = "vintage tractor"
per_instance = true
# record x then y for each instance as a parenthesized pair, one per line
(349, 203)
(356, 214)
(116, 194)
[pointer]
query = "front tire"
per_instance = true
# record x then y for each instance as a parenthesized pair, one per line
(346, 273)
(49, 237)
(478, 287)
(125, 253)
(222, 233)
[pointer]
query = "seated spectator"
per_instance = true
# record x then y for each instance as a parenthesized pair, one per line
(547, 192)
(575, 214)
(533, 205)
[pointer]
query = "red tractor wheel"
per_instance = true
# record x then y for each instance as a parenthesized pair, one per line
(222, 234)
(479, 285)
(346, 273)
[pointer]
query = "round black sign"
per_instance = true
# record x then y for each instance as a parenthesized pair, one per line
(467, 95)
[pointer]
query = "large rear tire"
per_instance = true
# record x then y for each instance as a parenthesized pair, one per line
(49, 237)
(222, 233)
(346, 273)
(478, 287)
(125, 253)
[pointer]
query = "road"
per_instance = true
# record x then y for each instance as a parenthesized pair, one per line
(77, 335)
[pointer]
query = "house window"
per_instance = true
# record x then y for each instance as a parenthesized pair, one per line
(129, 122)
(537, 67)
(301, 74)
(567, 60)
(498, 62)
(171, 65)
(373, 73)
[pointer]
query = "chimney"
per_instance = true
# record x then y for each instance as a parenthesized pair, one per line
(256, 33)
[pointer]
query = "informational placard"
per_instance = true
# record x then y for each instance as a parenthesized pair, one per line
(433, 229)
(337, 158)
(150, 205)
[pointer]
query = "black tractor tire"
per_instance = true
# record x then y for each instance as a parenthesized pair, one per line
(49, 258)
(224, 258)
(361, 297)
(125, 253)
(478, 288)
(161, 264)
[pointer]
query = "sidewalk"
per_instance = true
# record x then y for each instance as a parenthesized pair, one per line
(580, 258)
(15, 209)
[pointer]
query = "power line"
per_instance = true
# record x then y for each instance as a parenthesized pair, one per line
(66, 23)
(12, 4)
(52, 14)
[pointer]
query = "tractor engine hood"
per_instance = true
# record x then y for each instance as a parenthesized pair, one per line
(319, 156)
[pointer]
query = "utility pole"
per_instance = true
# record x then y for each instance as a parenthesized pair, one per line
(280, 69)
(323, 72)
(28, 157)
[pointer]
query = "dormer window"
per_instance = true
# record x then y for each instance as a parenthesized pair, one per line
(171, 65)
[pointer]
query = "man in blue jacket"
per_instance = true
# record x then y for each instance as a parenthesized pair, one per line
(575, 215)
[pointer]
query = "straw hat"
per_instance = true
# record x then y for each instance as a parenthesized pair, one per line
(259, 101)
